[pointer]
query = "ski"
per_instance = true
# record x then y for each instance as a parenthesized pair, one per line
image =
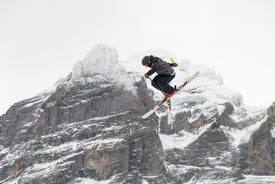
(167, 97)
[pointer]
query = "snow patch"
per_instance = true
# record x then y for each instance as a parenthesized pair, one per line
(181, 140)
(3, 150)
(89, 181)
(253, 179)
(239, 136)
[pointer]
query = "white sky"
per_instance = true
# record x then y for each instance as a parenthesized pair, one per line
(41, 40)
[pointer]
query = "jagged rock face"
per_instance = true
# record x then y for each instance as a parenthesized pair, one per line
(207, 156)
(90, 130)
(181, 121)
(271, 111)
(94, 130)
(211, 154)
(213, 144)
(258, 155)
(260, 150)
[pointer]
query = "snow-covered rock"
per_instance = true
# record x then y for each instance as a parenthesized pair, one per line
(103, 60)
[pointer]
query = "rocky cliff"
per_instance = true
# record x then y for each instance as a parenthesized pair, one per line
(89, 130)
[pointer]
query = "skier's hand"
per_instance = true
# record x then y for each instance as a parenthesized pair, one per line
(146, 75)
(175, 64)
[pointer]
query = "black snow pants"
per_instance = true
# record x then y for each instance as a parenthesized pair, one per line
(161, 82)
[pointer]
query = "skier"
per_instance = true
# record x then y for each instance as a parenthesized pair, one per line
(165, 73)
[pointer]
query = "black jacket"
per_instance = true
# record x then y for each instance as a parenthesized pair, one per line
(160, 67)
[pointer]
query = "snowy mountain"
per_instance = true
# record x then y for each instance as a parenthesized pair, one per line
(88, 129)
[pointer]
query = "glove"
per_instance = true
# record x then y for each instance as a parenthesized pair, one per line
(146, 75)
(175, 65)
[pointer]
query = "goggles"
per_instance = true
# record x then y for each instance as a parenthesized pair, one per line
(147, 64)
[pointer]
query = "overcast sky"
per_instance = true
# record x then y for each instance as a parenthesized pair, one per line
(41, 40)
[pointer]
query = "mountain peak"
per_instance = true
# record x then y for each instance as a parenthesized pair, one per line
(103, 60)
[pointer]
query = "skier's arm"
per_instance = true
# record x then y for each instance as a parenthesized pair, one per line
(150, 72)
(154, 68)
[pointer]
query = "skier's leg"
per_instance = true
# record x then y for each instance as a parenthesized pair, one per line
(163, 83)
(171, 77)
(154, 82)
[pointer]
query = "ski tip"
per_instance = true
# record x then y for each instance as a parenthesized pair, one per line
(197, 73)
(193, 76)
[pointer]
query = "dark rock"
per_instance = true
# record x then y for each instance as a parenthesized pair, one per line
(260, 151)
(224, 118)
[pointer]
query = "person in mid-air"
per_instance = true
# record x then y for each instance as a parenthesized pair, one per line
(165, 73)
